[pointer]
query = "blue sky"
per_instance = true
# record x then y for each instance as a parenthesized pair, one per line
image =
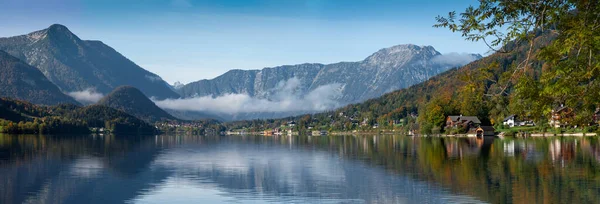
(187, 40)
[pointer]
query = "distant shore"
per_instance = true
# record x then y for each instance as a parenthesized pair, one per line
(501, 134)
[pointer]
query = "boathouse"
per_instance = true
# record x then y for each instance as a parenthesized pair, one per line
(485, 131)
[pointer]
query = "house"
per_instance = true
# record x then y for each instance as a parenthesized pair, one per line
(485, 131)
(511, 121)
(467, 122)
(560, 116)
(291, 123)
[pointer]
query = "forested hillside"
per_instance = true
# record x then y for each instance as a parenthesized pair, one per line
(21, 81)
(131, 100)
(23, 117)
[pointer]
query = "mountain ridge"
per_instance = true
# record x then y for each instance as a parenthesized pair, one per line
(192, 89)
(74, 64)
(385, 70)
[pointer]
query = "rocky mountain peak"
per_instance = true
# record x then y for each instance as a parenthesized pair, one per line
(401, 54)
(58, 28)
(54, 32)
(177, 85)
(61, 33)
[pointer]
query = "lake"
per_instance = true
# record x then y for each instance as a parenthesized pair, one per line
(299, 169)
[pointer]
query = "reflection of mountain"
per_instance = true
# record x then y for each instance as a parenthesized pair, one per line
(112, 170)
(280, 175)
(74, 170)
(383, 169)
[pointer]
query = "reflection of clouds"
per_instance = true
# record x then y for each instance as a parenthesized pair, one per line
(290, 167)
(87, 167)
(175, 190)
(262, 171)
(226, 161)
(326, 169)
(270, 174)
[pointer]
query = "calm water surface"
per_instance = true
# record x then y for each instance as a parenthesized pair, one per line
(256, 169)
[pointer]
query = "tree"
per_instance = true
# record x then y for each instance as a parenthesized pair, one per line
(570, 61)
(431, 117)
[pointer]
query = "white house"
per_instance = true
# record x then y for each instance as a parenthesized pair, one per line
(511, 121)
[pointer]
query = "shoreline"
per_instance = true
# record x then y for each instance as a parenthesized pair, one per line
(499, 135)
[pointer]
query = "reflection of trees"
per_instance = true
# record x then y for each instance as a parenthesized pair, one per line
(32, 163)
(543, 169)
(267, 169)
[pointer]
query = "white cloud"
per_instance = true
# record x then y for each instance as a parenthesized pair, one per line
(285, 97)
(454, 59)
(87, 96)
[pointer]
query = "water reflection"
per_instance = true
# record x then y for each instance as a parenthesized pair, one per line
(349, 169)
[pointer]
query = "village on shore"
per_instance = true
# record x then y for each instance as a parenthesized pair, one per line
(455, 126)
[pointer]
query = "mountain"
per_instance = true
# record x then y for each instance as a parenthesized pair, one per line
(20, 81)
(177, 85)
(77, 65)
(449, 93)
(384, 71)
(133, 101)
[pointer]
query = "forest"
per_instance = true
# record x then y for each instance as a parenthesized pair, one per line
(21, 117)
